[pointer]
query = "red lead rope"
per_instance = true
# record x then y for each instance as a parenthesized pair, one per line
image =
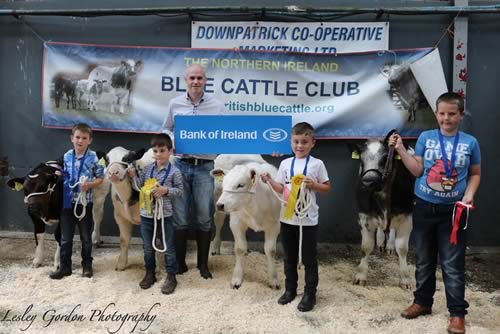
(457, 214)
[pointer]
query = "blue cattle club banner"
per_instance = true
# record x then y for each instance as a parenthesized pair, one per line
(232, 134)
(120, 88)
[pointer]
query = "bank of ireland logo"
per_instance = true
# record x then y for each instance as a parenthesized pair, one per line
(275, 135)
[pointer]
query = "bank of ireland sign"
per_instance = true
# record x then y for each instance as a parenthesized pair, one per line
(232, 134)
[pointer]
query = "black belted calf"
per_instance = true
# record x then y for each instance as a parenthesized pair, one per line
(384, 196)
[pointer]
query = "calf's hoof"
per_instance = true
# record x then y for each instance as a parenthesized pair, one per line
(274, 286)
(120, 267)
(405, 284)
(359, 280)
(236, 283)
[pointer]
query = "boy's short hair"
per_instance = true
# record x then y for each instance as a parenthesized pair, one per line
(452, 98)
(82, 127)
(303, 128)
(161, 139)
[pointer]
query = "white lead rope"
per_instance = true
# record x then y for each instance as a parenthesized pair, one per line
(158, 214)
(81, 199)
(50, 189)
(301, 207)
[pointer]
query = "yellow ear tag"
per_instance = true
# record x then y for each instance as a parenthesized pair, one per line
(355, 155)
(145, 197)
(102, 162)
(219, 178)
(397, 157)
(296, 182)
(18, 186)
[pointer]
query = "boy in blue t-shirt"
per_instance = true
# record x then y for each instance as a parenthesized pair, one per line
(82, 173)
(447, 164)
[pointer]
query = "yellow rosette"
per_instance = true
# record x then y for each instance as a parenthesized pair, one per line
(145, 197)
(296, 182)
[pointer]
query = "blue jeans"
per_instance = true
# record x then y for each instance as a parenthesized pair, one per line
(198, 191)
(68, 221)
(147, 229)
(432, 225)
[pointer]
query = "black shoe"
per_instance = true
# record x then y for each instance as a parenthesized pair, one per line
(59, 274)
(180, 243)
(287, 297)
(87, 272)
(148, 280)
(169, 285)
(307, 302)
(203, 249)
(181, 268)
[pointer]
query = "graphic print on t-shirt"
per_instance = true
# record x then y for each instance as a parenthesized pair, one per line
(437, 180)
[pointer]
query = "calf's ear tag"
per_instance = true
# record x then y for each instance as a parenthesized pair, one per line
(102, 162)
(397, 157)
(355, 155)
(18, 186)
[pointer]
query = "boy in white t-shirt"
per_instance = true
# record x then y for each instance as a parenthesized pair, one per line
(309, 176)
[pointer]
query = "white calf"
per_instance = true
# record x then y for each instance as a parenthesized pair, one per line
(125, 199)
(98, 197)
(225, 162)
(251, 204)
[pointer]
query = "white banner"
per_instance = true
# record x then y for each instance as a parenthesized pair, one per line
(327, 37)
(346, 95)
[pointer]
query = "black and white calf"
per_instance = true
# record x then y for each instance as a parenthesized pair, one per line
(43, 197)
(42, 188)
(384, 196)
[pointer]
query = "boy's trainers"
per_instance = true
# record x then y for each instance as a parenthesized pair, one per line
(287, 297)
(169, 285)
(87, 272)
(307, 302)
(59, 274)
(148, 280)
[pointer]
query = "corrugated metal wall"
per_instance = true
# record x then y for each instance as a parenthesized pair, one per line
(25, 142)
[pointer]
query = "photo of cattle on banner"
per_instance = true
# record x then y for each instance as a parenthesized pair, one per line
(103, 87)
(405, 92)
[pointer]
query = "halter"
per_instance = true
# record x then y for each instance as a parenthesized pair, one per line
(249, 191)
(50, 187)
(50, 190)
(123, 164)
